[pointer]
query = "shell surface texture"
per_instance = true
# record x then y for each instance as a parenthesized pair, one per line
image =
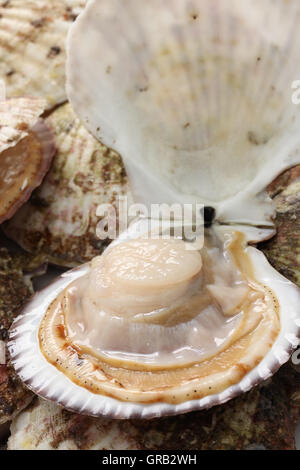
(46, 426)
(26, 151)
(32, 46)
(60, 220)
(17, 116)
(202, 114)
(15, 288)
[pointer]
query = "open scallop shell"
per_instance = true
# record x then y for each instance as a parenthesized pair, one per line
(45, 380)
(177, 99)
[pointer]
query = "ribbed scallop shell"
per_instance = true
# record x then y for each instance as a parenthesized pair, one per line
(60, 221)
(195, 96)
(24, 163)
(47, 426)
(32, 46)
(17, 116)
(46, 381)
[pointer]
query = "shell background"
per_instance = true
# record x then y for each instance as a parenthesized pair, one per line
(32, 46)
(238, 424)
(17, 116)
(283, 251)
(15, 289)
(60, 220)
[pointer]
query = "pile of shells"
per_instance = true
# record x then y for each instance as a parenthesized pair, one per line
(149, 342)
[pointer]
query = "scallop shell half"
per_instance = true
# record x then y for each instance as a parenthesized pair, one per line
(195, 96)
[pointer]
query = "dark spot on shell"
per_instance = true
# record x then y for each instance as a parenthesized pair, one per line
(254, 139)
(22, 126)
(3, 334)
(54, 51)
(69, 15)
(38, 23)
(37, 201)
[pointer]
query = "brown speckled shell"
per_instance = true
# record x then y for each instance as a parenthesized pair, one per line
(32, 46)
(60, 220)
(17, 116)
(283, 251)
(15, 289)
(44, 135)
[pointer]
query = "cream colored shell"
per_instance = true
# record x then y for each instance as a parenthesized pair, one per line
(32, 46)
(17, 117)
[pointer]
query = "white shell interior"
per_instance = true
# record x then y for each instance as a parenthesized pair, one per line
(195, 96)
(45, 380)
